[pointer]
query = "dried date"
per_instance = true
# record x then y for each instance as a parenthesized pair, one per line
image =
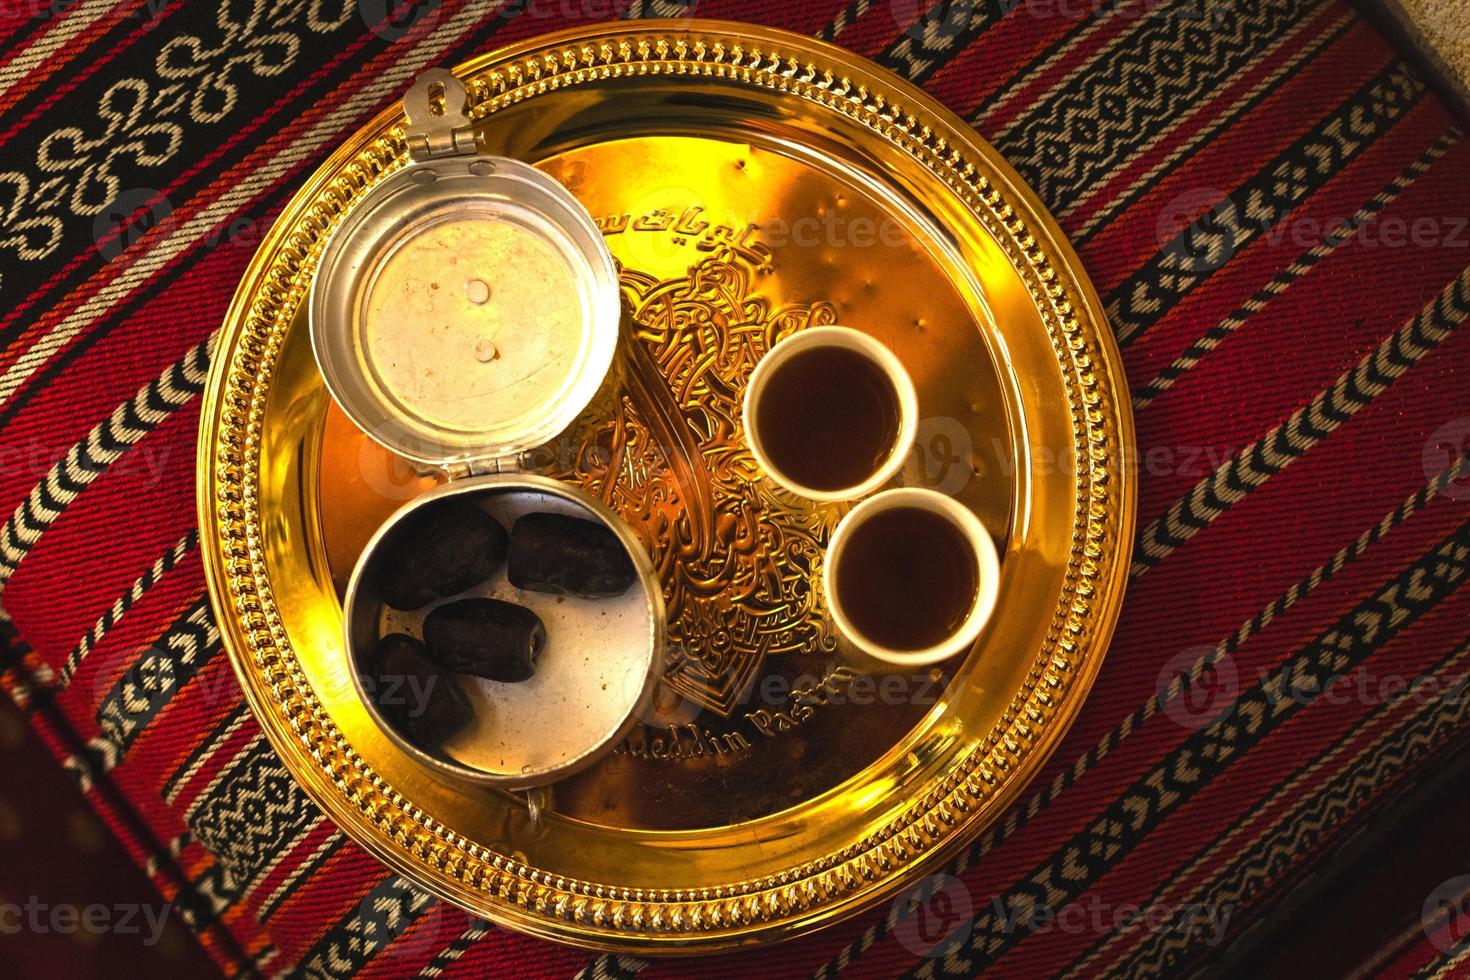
(568, 556)
(416, 695)
(489, 638)
(439, 550)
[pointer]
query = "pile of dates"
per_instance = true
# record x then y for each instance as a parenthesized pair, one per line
(449, 547)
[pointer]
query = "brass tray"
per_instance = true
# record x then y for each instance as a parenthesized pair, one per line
(751, 183)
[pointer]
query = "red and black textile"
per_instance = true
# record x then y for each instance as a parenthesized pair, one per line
(1274, 209)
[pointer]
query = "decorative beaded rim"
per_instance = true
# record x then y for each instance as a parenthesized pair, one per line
(1085, 609)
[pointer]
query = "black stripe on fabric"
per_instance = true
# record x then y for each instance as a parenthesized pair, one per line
(148, 684)
(842, 20)
(125, 601)
(1131, 195)
(271, 205)
(1310, 817)
(250, 815)
(41, 507)
(943, 30)
(77, 240)
(142, 62)
(458, 946)
(1253, 466)
(1209, 752)
(385, 913)
(1199, 250)
(1164, 65)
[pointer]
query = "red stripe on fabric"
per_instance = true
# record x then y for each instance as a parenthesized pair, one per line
(125, 643)
(1154, 871)
(1295, 518)
(17, 31)
(61, 57)
(874, 31)
(1329, 317)
(301, 852)
(1328, 322)
(987, 69)
(205, 703)
(106, 532)
(533, 958)
(324, 899)
(803, 18)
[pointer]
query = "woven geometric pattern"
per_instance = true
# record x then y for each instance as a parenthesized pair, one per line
(1275, 212)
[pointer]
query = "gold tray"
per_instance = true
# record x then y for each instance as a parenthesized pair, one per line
(751, 183)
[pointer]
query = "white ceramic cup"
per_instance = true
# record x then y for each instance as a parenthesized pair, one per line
(879, 355)
(987, 573)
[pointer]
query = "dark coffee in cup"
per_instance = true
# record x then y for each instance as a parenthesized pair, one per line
(907, 578)
(828, 418)
(911, 576)
(830, 413)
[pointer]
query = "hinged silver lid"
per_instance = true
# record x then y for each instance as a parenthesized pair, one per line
(466, 309)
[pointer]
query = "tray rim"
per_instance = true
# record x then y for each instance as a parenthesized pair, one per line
(818, 892)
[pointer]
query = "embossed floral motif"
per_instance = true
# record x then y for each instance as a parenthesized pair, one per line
(736, 555)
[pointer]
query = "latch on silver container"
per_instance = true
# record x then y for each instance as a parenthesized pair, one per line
(437, 110)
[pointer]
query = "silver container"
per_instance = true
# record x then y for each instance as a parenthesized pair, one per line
(465, 312)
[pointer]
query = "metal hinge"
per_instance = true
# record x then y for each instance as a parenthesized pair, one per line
(437, 108)
(484, 467)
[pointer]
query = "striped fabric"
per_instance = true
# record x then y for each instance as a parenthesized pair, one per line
(1274, 210)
